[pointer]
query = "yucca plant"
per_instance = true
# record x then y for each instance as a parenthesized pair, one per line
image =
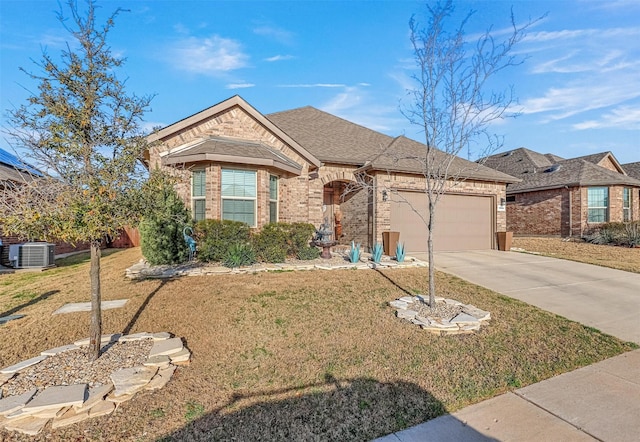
(400, 252)
(354, 253)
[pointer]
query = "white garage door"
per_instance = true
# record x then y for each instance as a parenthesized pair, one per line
(463, 222)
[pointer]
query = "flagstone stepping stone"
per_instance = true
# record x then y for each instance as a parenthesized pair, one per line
(477, 313)
(4, 377)
(30, 425)
(406, 314)
(104, 339)
(13, 403)
(464, 319)
(6, 319)
(161, 379)
(119, 399)
(129, 380)
(160, 361)
(51, 413)
(166, 347)
(86, 306)
(407, 299)
(70, 417)
(96, 395)
(62, 349)
(399, 304)
(161, 336)
(22, 365)
(57, 397)
(102, 408)
(136, 337)
(182, 356)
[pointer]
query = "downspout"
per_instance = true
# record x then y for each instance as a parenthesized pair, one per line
(570, 213)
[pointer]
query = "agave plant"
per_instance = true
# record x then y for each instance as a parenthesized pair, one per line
(354, 253)
(400, 252)
(376, 252)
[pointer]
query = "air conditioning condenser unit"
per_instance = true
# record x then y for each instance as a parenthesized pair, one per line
(32, 255)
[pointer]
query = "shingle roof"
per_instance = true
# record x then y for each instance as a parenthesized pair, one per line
(335, 140)
(538, 175)
(632, 169)
(232, 151)
(406, 155)
(329, 138)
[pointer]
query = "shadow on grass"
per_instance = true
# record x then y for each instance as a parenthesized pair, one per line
(148, 299)
(339, 410)
(82, 257)
(31, 302)
(393, 282)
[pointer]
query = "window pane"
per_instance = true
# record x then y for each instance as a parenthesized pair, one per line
(239, 183)
(199, 209)
(597, 215)
(199, 183)
(273, 187)
(239, 210)
(598, 196)
(273, 212)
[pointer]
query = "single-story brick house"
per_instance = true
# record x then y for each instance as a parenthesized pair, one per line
(303, 165)
(565, 197)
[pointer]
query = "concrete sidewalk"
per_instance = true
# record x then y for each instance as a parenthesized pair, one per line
(598, 402)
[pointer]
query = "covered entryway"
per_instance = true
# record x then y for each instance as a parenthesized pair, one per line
(463, 222)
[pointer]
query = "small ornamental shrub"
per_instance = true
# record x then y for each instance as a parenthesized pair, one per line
(161, 236)
(215, 238)
(239, 255)
(299, 236)
(270, 243)
(616, 233)
(307, 253)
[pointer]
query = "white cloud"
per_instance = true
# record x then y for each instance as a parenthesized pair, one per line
(208, 56)
(279, 58)
(239, 85)
(275, 33)
(623, 117)
(311, 85)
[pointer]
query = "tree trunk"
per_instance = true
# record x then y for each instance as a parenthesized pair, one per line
(432, 267)
(95, 331)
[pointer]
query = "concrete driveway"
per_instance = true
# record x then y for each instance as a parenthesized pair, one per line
(604, 298)
(600, 402)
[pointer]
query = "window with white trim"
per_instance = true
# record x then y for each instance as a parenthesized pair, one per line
(239, 195)
(626, 204)
(598, 204)
(198, 194)
(273, 199)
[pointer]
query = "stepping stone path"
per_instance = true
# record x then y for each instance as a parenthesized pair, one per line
(64, 405)
(86, 306)
(467, 320)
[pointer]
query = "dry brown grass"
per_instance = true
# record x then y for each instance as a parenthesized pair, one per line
(295, 356)
(621, 258)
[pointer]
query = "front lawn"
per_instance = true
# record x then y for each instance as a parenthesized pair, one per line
(294, 355)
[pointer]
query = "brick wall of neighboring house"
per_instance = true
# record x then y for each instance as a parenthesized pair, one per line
(399, 181)
(61, 247)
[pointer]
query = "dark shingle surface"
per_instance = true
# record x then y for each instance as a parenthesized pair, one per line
(538, 174)
(329, 138)
(632, 169)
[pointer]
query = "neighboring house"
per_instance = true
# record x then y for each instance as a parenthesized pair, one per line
(566, 197)
(302, 165)
(15, 171)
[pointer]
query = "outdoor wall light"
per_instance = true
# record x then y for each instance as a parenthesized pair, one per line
(503, 201)
(385, 196)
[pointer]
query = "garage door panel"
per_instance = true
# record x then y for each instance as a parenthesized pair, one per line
(463, 222)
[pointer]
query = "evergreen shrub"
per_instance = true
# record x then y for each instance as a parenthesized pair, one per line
(216, 238)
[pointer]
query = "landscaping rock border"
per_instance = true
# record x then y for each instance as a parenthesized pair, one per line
(143, 270)
(63, 405)
(464, 319)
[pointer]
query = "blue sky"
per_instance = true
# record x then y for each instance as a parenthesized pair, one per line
(578, 90)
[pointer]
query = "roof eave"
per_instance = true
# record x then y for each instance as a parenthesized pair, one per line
(232, 159)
